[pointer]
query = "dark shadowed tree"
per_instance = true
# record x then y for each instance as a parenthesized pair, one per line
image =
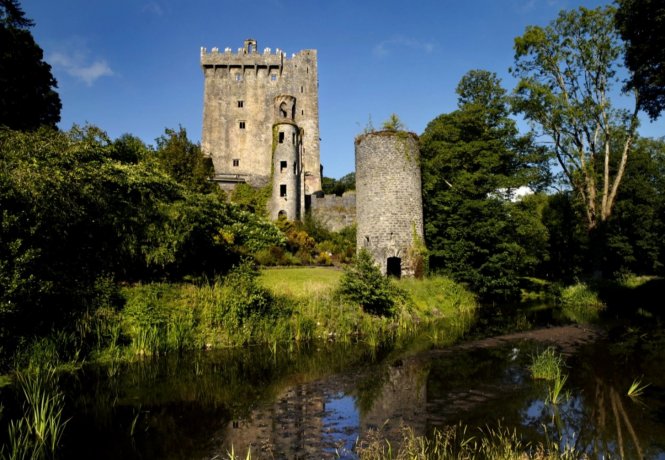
(472, 160)
(27, 88)
(641, 24)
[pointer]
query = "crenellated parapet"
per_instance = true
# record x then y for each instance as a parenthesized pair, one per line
(249, 58)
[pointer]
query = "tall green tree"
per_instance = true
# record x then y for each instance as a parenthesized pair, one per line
(566, 73)
(183, 160)
(642, 26)
(28, 98)
(473, 160)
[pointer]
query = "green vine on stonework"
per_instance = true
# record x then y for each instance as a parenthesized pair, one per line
(418, 254)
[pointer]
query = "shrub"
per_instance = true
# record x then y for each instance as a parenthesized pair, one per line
(363, 284)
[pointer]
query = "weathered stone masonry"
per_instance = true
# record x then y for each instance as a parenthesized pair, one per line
(389, 199)
(247, 94)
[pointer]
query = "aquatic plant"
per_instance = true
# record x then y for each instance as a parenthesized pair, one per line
(547, 365)
(555, 393)
(636, 388)
(38, 432)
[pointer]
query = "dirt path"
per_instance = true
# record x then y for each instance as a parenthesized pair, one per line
(566, 338)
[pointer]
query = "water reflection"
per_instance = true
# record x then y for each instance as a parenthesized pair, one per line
(316, 402)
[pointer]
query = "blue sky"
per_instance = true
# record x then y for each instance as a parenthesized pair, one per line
(132, 66)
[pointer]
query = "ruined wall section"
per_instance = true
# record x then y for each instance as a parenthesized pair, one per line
(334, 212)
(389, 198)
(238, 116)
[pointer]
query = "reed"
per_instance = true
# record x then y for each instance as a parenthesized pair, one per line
(37, 434)
(547, 365)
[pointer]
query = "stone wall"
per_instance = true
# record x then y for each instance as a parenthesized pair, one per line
(334, 212)
(389, 199)
(238, 111)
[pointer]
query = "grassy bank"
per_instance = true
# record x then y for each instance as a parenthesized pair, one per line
(277, 306)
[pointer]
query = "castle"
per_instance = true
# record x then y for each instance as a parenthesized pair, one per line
(261, 127)
(261, 123)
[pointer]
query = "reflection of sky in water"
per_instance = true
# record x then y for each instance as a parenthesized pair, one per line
(342, 422)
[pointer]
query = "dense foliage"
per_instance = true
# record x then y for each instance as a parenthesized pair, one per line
(473, 161)
(27, 88)
(333, 186)
(75, 211)
(642, 26)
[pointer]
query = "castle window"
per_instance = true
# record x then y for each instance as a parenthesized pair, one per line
(293, 138)
(282, 190)
(236, 162)
(273, 77)
(282, 166)
(302, 89)
(242, 125)
(241, 104)
(281, 137)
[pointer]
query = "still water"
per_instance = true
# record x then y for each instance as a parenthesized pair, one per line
(316, 401)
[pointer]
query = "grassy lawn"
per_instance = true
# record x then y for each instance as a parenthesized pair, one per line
(301, 282)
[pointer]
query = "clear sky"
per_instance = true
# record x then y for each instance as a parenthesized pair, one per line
(132, 66)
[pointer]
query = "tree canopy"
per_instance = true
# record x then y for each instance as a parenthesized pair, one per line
(642, 26)
(566, 71)
(472, 158)
(28, 98)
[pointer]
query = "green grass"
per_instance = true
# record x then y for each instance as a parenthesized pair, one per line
(580, 304)
(302, 282)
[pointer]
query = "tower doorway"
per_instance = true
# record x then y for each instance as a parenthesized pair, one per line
(394, 267)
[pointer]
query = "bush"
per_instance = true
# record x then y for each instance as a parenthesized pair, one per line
(363, 284)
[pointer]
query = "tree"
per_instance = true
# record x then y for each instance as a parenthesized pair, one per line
(566, 72)
(183, 161)
(642, 26)
(27, 88)
(472, 159)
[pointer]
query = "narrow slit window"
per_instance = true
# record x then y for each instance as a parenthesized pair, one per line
(281, 137)
(282, 166)
(302, 89)
(241, 104)
(236, 162)
(282, 190)
(293, 138)
(242, 125)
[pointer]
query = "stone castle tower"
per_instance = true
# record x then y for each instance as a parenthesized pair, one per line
(389, 208)
(261, 123)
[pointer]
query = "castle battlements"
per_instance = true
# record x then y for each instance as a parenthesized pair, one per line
(261, 122)
(249, 57)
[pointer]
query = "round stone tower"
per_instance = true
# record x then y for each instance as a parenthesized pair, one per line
(287, 187)
(389, 200)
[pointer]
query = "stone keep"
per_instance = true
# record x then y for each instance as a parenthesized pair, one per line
(249, 99)
(389, 209)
